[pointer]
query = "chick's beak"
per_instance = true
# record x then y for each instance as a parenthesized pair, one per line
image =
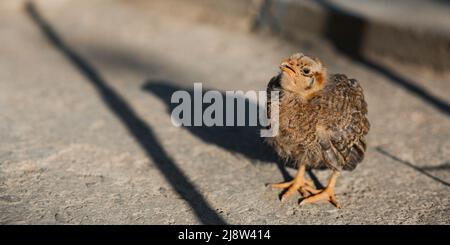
(287, 67)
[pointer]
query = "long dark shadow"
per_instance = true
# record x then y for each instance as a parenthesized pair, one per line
(346, 33)
(135, 125)
(421, 170)
(244, 140)
(445, 166)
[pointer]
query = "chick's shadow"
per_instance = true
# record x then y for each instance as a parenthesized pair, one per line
(241, 140)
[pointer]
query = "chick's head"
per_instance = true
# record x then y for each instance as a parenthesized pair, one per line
(302, 75)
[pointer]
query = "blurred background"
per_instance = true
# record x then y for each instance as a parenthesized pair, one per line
(85, 130)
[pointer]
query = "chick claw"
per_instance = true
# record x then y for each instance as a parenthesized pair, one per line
(303, 186)
(325, 194)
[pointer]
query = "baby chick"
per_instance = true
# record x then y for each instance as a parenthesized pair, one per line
(322, 123)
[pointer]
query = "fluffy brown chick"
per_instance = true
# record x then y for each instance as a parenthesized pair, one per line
(322, 123)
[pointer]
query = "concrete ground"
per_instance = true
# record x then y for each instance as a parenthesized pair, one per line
(417, 14)
(86, 136)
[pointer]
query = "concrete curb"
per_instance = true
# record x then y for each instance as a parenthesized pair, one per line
(351, 34)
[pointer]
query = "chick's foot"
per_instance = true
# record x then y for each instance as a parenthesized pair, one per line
(299, 183)
(326, 194)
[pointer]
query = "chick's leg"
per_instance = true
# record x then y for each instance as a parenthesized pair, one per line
(298, 183)
(325, 194)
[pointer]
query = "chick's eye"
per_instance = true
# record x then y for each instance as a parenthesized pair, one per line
(306, 70)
